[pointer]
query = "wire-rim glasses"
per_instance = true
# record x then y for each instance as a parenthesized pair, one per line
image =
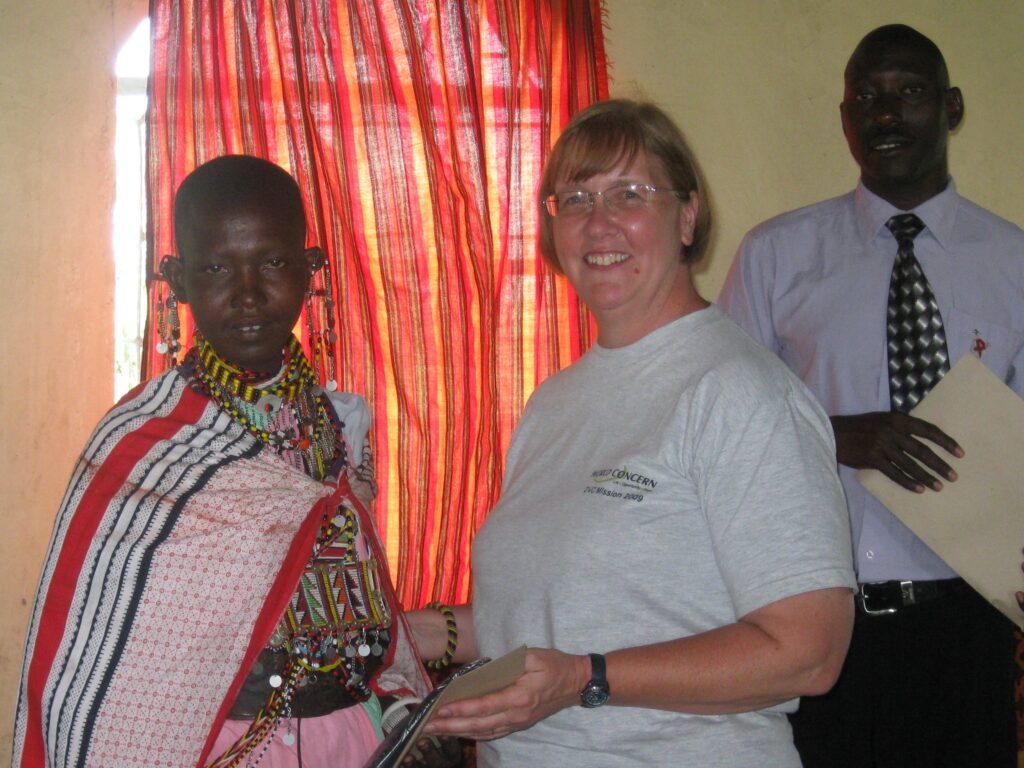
(618, 198)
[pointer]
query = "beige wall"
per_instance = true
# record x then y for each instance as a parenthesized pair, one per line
(56, 276)
(755, 85)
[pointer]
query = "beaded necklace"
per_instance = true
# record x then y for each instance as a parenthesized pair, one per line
(291, 414)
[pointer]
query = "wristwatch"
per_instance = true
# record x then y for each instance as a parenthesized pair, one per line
(596, 691)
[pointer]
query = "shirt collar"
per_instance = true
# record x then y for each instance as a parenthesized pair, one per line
(938, 213)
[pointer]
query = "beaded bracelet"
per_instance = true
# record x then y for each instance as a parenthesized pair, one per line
(453, 637)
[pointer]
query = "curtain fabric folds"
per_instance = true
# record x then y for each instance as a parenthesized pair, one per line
(417, 132)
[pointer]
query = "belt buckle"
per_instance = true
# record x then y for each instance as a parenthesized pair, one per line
(879, 611)
(907, 593)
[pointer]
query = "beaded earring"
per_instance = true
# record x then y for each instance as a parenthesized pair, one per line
(168, 327)
(320, 322)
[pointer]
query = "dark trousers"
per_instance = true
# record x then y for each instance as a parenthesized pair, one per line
(929, 686)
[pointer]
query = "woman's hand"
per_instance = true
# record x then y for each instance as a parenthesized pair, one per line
(551, 682)
(430, 633)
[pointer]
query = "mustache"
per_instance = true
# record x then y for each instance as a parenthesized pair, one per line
(888, 135)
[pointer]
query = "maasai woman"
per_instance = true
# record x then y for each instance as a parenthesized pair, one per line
(214, 592)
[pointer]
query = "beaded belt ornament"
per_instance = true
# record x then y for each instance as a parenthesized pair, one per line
(337, 623)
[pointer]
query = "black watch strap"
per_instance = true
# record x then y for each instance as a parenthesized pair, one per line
(596, 691)
(598, 669)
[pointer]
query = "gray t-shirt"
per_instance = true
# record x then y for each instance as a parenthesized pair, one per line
(654, 492)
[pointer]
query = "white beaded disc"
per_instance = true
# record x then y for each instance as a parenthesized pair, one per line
(269, 403)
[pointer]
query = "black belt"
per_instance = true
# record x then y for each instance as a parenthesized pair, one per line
(882, 598)
(320, 695)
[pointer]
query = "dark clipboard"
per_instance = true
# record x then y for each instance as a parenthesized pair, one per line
(475, 679)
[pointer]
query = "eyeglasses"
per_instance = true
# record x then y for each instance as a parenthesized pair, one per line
(621, 198)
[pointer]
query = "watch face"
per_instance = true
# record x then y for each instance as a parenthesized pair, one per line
(594, 695)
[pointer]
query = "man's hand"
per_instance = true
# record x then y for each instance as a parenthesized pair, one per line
(889, 442)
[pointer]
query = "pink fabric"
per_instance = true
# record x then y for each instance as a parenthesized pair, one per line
(342, 739)
(206, 584)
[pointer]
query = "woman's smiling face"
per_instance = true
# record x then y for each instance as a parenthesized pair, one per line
(626, 264)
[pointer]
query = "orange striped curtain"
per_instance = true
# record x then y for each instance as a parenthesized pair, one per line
(417, 130)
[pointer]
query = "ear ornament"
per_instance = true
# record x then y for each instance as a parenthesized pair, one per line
(320, 322)
(168, 327)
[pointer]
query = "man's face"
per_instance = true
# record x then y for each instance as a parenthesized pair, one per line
(897, 112)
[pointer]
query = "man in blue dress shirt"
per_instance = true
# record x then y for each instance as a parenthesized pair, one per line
(929, 676)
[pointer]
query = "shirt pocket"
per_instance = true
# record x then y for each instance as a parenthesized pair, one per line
(998, 346)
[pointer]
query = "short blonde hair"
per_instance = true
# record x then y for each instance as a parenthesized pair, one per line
(617, 131)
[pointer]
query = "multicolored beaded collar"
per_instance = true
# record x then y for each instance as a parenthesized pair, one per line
(291, 414)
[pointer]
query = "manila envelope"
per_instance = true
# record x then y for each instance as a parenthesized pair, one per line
(975, 524)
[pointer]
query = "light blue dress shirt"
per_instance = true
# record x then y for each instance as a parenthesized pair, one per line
(812, 285)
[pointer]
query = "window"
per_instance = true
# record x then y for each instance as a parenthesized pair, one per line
(132, 71)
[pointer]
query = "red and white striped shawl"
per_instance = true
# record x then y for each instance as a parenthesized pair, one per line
(176, 549)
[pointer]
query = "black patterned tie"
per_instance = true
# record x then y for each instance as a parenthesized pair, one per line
(917, 342)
